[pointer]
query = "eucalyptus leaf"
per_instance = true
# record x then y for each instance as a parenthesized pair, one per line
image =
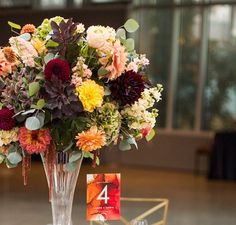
(131, 25)
(70, 166)
(14, 158)
(75, 156)
(129, 44)
(32, 123)
(124, 145)
(14, 25)
(48, 57)
(41, 103)
(10, 165)
(25, 36)
(131, 140)
(121, 34)
(41, 118)
(102, 71)
(150, 136)
(2, 157)
(33, 88)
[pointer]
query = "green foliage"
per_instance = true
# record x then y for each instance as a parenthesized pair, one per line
(121, 34)
(129, 44)
(2, 158)
(131, 25)
(76, 155)
(32, 123)
(33, 88)
(14, 158)
(102, 71)
(151, 135)
(124, 145)
(26, 36)
(14, 25)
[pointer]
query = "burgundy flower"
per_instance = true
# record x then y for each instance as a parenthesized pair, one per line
(59, 68)
(6, 120)
(127, 88)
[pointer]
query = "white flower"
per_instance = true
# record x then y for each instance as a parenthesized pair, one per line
(98, 36)
(80, 28)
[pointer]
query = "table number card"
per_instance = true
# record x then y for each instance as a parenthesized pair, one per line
(103, 196)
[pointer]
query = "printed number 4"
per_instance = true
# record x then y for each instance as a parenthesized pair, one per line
(103, 195)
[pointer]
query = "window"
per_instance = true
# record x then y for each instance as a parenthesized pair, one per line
(192, 48)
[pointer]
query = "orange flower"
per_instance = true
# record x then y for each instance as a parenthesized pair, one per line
(34, 141)
(9, 54)
(91, 139)
(28, 28)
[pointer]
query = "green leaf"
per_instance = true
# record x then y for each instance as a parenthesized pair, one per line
(32, 123)
(70, 166)
(33, 88)
(51, 44)
(102, 71)
(48, 57)
(14, 25)
(131, 140)
(1, 105)
(76, 155)
(41, 103)
(129, 44)
(2, 157)
(25, 36)
(124, 145)
(88, 155)
(14, 158)
(150, 136)
(131, 25)
(121, 34)
(97, 161)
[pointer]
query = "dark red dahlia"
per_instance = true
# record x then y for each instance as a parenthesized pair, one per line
(127, 88)
(6, 120)
(59, 68)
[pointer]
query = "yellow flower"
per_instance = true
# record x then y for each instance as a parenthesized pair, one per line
(8, 136)
(39, 45)
(90, 94)
(91, 139)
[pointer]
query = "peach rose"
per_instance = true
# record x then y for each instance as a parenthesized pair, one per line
(119, 60)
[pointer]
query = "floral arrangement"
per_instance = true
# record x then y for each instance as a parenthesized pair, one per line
(64, 88)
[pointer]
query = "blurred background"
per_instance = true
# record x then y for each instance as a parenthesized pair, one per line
(191, 45)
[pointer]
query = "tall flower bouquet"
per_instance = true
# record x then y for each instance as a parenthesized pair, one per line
(72, 91)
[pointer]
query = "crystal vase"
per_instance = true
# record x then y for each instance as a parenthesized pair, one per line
(61, 182)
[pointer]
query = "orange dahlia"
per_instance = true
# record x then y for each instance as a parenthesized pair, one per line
(91, 139)
(28, 28)
(34, 141)
(9, 54)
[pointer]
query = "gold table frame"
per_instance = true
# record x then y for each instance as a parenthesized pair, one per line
(161, 204)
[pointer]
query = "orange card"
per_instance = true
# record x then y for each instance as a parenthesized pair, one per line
(103, 196)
